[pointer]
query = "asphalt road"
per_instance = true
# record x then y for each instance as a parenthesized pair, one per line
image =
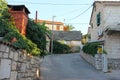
(69, 67)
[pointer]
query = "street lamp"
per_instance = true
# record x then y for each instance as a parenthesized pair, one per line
(52, 34)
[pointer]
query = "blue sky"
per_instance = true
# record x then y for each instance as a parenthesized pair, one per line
(67, 12)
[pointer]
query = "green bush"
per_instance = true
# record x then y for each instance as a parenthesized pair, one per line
(90, 48)
(22, 43)
(37, 32)
(59, 48)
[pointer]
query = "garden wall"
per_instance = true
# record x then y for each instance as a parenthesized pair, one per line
(17, 65)
(113, 63)
(90, 59)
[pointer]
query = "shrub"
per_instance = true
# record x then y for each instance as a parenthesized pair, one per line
(90, 48)
(22, 43)
(60, 48)
(39, 31)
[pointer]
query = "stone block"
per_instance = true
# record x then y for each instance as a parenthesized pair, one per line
(16, 56)
(3, 48)
(13, 75)
(23, 67)
(14, 65)
(7, 49)
(20, 57)
(29, 79)
(11, 54)
(22, 79)
(5, 55)
(1, 54)
(5, 68)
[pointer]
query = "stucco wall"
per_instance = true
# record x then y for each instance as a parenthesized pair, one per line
(17, 65)
(61, 27)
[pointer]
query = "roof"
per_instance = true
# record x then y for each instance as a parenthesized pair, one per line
(19, 6)
(50, 22)
(67, 35)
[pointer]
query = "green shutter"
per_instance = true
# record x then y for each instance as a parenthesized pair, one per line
(98, 19)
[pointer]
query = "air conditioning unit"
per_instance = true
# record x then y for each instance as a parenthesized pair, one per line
(100, 32)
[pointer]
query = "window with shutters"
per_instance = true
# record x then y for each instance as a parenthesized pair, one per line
(98, 19)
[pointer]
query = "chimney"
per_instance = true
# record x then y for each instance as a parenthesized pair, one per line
(20, 14)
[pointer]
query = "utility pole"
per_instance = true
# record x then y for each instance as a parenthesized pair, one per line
(52, 34)
(36, 16)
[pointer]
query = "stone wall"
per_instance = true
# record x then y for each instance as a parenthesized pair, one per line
(114, 64)
(17, 65)
(97, 62)
(90, 59)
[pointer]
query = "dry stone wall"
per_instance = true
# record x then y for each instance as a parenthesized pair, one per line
(17, 65)
(112, 63)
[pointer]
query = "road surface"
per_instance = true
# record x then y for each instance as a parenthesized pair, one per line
(69, 67)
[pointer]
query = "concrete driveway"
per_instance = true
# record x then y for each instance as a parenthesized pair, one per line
(70, 67)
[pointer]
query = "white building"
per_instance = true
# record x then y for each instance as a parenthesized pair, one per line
(58, 26)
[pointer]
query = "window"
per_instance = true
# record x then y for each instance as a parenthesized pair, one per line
(58, 28)
(98, 19)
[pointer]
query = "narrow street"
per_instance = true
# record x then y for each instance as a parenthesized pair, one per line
(69, 67)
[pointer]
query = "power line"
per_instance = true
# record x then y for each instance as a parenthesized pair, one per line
(69, 12)
(78, 23)
(79, 14)
(48, 3)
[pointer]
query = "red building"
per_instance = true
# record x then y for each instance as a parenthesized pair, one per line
(20, 14)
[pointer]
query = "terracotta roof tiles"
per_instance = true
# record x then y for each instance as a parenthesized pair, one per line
(50, 22)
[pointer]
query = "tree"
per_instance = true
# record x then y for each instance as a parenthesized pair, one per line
(69, 27)
(37, 33)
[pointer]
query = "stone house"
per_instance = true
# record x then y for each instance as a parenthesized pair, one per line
(105, 27)
(71, 38)
(20, 14)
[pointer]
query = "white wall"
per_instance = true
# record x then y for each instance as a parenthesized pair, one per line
(55, 27)
(112, 15)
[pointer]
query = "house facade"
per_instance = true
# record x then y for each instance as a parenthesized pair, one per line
(105, 27)
(58, 26)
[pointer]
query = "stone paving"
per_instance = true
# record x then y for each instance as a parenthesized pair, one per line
(72, 67)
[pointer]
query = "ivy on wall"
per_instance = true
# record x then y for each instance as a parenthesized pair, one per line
(37, 32)
(8, 31)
